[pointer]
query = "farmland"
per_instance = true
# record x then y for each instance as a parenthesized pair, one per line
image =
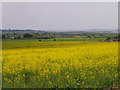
(60, 64)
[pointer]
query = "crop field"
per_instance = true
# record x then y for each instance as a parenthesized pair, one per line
(61, 64)
(57, 39)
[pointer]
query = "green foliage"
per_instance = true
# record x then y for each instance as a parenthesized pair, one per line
(54, 39)
(27, 35)
(3, 36)
(108, 38)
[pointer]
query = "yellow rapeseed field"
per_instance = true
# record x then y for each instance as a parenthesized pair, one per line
(60, 64)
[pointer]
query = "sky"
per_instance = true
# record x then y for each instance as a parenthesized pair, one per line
(60, 16)
(60, 0)
(0, 15)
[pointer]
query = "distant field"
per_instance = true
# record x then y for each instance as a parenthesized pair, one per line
(60, 39)
(73, 64)
(37, 45)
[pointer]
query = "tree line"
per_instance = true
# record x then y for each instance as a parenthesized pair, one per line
(53, 35)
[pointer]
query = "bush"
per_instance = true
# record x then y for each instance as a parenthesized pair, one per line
(40, 40)
(54, 39)
(108, 38)
(27, 35)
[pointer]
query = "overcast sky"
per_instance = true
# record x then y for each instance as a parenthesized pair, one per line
(60, 16)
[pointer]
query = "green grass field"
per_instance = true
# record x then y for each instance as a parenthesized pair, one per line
(28, 43)
(59, 39)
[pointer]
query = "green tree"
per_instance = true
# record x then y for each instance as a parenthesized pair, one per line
(3, 36)
(27, 35)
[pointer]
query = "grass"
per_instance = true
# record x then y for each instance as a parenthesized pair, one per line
(57, 39)
(22, 45)
(35, 43)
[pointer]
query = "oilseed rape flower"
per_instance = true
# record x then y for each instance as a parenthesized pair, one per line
(72, 64)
